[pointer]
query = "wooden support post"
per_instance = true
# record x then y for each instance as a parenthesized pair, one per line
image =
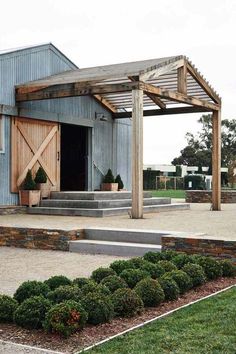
(137, 154)
(216, 160)
(182, 79)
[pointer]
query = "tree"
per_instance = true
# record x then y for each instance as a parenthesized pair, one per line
(199, 148)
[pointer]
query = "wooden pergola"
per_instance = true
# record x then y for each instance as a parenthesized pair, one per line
(154, 87)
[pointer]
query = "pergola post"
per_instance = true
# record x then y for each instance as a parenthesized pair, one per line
(137, 154)
(216, 160)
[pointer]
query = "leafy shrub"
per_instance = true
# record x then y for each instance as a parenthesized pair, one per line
(211, 267)
(198, 182)
(126, 303)
(196, 273)
(113, 282)
(30, 288)
(120, 265)
(99, 308)
(170, 287)
(64, 293)
(133, 276)
(31, 313)
(150, 292)
(180, 260)
(100, 273)
(152, 257)
(65, 318)
(136, 262)
(168, 255)
(41, 176)
(80, 282)
(57, 280)
(109, 178)
(93, 287)
(7, 308)
(182, 279)
(119, 181)
(168, 266)
(154, 270)
(29, 183)
(228, 269)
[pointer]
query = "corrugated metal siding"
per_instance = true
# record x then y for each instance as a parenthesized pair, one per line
(111, 147)
(6, 198)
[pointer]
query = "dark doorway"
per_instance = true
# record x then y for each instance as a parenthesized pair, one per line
(73, 157)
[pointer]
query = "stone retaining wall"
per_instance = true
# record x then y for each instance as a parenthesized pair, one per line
(205, 196)
(46, 239)
(204, 246)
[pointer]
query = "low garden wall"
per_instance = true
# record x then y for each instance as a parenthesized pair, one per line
(201, 245)
(46, 239)
(203, 196)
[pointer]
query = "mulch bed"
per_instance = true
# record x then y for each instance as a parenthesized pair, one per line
(93, 334)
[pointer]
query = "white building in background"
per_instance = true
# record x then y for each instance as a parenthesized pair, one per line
(167, 170)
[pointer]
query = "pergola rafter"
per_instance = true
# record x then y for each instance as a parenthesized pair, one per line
(144, 88)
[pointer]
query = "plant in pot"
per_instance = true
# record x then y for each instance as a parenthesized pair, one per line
(41, 183)
(28, 194)
(120, 183)
(109, 184)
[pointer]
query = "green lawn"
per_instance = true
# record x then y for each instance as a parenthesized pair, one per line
(208, 327)
(169, 193)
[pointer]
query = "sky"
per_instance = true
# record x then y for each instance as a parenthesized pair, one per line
(104, 32)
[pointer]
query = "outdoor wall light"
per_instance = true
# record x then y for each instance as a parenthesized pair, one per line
(101, 117)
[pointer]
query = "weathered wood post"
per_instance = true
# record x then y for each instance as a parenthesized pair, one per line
(216, 160)
(137, 154)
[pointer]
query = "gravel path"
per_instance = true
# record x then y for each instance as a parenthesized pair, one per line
(12, 348)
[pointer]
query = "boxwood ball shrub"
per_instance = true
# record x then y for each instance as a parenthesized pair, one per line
(180, 260)
(168, 266)
(8, 305)
(133, 276)
(228, 268)
(150, 291)
(31, 288)
(93, 287)
(127, 303)
(136, 262)
(80, 282)
(153, 257)
(57, 280)
(153, 269)
(64, 293)
(114, 282)
(211, 267)
(196, 273)
(169, 287)
(101, 273)
(65, 318)
(182, 279)
(168, 254)
(120, 265)
(100, 309)
(31, 312)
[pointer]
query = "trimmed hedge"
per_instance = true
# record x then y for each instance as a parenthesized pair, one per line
(100, 309)
(126, 303)
(101, 273)
(80, 282)
(133, 276)
(31, 313)
(211, 267)
(8, 306)
(170, 287)
(120, 265)
(196, 273)
(168, 266)
(154, 270)
(114, 282)
(228, 269)
(150, 291)
(31, 288)
(93, 287)
(64, 293)
(153, 257)
(57, 280)
(65, 318)
(182, 279)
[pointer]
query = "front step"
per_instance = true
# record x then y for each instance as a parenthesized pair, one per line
(96, 195)
(105, 212)
(124, 249)
(99, 204)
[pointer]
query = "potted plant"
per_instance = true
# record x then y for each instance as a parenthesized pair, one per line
(41, 183)
(28, 194)
(109, 184)
(120, 183)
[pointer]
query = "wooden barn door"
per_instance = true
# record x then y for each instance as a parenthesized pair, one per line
(35, 143)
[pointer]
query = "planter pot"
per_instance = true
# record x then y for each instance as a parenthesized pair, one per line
(29, 198)
(44, 189)
(110, 187)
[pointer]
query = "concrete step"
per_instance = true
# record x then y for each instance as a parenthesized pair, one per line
(95, 195)
(125, 235)
(99, 204)
(124, 249)
(105, 212)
